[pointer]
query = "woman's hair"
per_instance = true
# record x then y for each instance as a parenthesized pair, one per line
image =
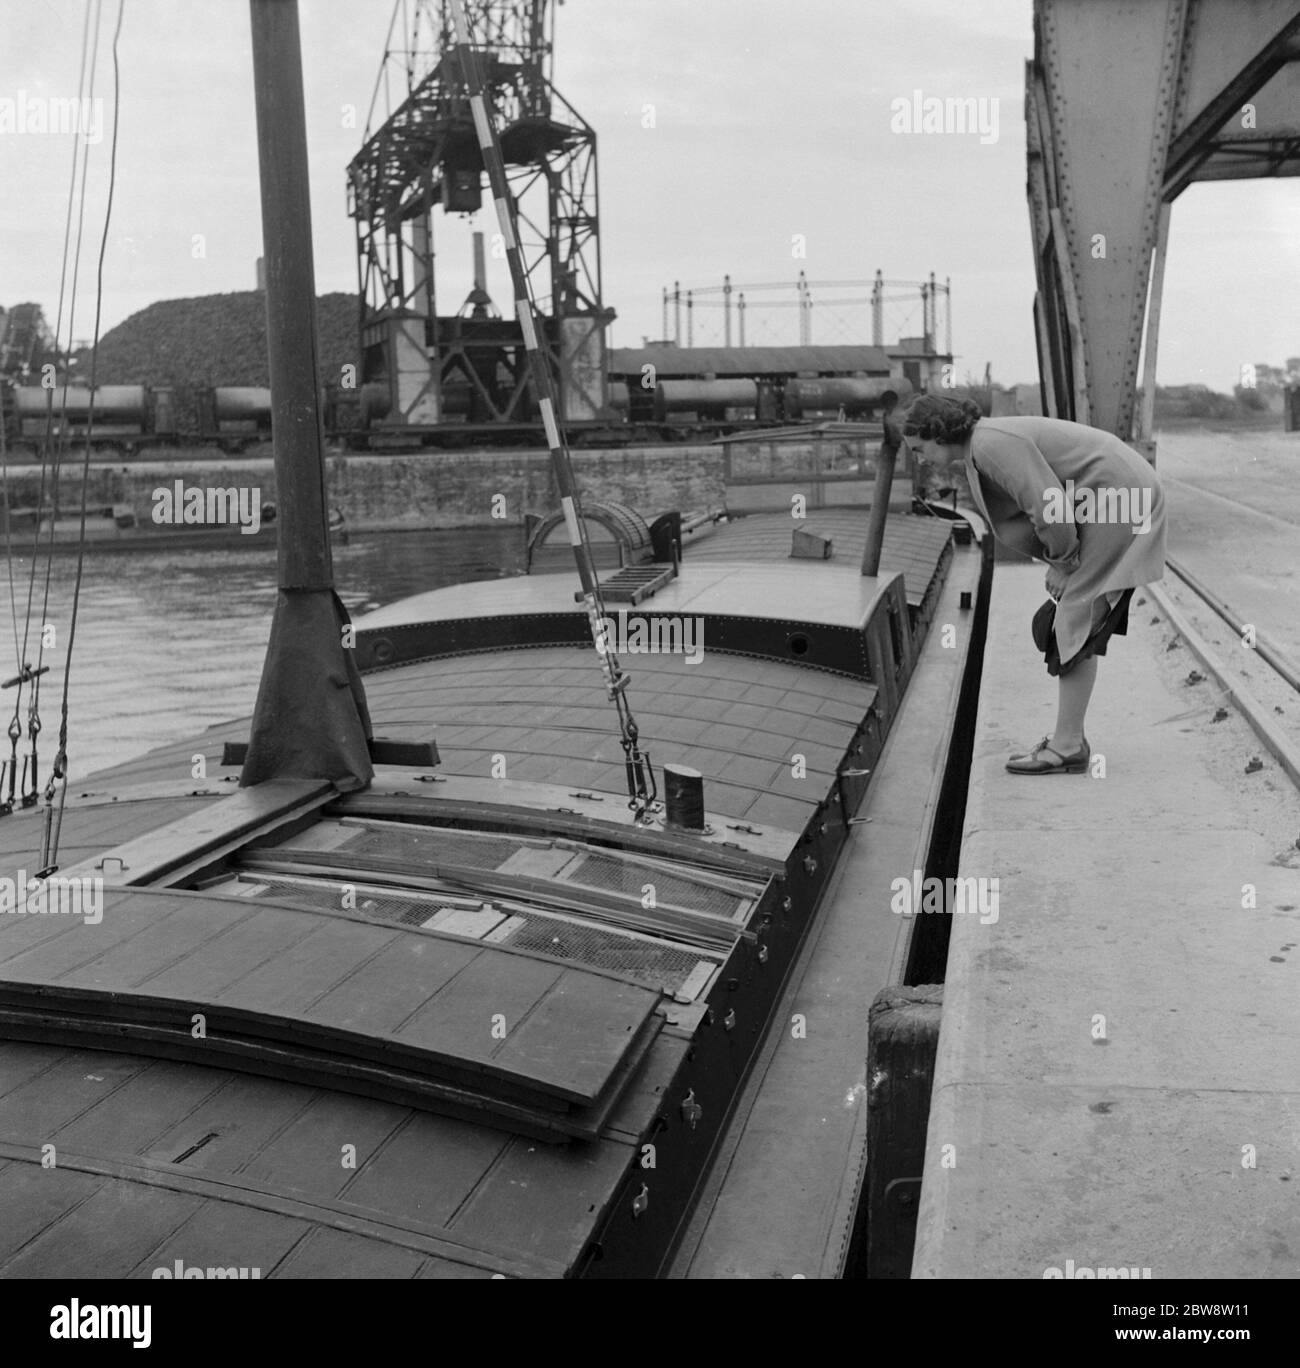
(946, 421)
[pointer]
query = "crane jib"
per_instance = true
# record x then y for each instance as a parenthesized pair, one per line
(642, 790)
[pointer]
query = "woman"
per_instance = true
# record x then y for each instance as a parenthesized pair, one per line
(1071, 495)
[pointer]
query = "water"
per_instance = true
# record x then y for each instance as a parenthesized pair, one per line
(168, 643)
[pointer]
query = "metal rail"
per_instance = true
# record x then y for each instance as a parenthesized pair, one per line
(1264, 649)
(1281, 746)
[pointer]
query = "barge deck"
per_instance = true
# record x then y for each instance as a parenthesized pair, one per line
(454, 1025)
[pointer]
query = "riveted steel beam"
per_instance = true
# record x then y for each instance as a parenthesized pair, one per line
(1236, 90)
(1126, 103)
(1109, 74)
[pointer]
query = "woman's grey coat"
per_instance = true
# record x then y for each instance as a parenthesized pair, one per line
(1064, 492)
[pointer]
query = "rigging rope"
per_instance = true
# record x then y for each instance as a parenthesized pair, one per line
(25, 673)
(59, 776)
(642, 790)
(15, 727)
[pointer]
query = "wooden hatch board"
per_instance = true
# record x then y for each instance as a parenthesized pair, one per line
(326, 1069)
(449, 1019)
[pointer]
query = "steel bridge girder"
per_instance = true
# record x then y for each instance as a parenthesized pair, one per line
(1125, 105)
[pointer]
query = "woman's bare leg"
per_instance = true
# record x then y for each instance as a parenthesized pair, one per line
(1072, 706)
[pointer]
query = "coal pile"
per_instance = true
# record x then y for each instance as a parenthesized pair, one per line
(211, 340)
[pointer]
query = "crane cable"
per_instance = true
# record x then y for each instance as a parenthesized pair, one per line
(642, 790)
(59, 774)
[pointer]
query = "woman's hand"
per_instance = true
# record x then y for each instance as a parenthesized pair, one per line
(1056, 578)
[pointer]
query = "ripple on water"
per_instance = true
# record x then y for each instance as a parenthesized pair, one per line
(168, 644)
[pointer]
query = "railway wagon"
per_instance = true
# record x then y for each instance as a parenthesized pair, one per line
(128, 417)
(654, 394)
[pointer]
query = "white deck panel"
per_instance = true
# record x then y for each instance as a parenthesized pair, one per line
(829, 595)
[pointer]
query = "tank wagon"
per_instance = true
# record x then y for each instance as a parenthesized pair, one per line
(728, 388)
(655, 394)
(128, 417)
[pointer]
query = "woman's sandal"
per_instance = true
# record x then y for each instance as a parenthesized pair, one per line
(1064, 764)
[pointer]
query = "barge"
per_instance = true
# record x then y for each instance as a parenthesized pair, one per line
(474, 1020)
(414, 973)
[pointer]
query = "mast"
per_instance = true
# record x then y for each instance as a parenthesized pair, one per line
(310, 720)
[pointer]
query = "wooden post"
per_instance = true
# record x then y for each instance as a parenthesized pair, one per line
(310, 720)
(902, 1042)
(880, 498)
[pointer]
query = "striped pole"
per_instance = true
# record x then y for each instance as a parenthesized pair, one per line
(640, 775)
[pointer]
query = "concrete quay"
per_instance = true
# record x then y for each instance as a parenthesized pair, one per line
(1117, 1090)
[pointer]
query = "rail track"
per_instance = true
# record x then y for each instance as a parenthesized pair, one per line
(1264, 647)
(1267, 700)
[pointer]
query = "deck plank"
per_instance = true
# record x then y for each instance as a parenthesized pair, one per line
(206, 971)
(132, 1117)
(229, 1126)
(410, 998)
(114, 1229)
(489, 994)
(474, 706)
(321, 961)
(307, 1155)
(577, 1034)
(261, 1166)
(324, 1252)
(399, 1176)
(541, 1203)
(33, 1199)
(380, 994)
(54, 1097)
(221, 1235)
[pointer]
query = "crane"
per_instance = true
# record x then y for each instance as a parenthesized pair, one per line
(420, 163)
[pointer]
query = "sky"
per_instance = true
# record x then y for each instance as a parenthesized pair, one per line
(769, 120)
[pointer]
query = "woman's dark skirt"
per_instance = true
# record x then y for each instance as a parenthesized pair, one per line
(1115, 623)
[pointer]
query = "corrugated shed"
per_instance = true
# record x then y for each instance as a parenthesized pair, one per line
(672, 362)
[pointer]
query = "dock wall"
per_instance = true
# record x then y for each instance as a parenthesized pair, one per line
(447, 489)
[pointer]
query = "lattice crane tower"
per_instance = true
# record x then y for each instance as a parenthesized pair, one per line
(422, 367)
